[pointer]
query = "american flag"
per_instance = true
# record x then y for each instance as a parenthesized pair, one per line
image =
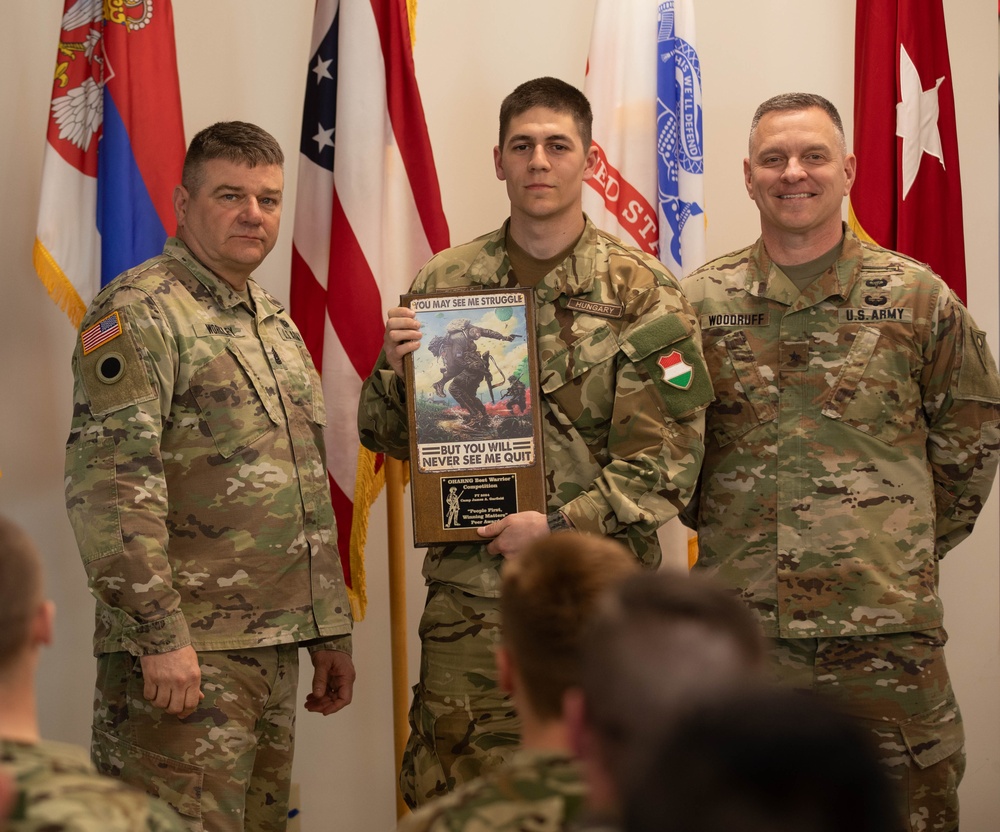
(104, 330)
(368, 215)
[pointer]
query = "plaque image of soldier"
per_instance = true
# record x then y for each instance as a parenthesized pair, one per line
(516, 395)
(464, 367)
(453, 501)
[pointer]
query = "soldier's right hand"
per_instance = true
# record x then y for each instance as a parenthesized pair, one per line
(402, 336)
(172, 681)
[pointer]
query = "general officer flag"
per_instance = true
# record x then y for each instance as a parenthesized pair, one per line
(114, 149)
(368, 214)
(644, 85)
(908, 192)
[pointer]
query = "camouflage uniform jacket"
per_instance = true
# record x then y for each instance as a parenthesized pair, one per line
(58, 789)
(537, 790)
(852, 442)
(621, 446)
(195, 468)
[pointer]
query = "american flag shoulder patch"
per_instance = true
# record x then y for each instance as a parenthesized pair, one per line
(106, 329)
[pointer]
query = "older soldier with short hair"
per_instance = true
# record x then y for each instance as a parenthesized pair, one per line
(196, 484)
(852, 443)
(621, 438)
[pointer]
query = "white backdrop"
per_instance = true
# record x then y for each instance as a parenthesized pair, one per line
(246, 59)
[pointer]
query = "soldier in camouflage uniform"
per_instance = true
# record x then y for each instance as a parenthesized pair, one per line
(56, 787)
(654, 646)
(196, 485)
(465, 367)
(548, 593)
(852, 443)
(622, 440)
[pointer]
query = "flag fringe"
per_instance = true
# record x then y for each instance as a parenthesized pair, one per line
(57, 284)
(369, 481)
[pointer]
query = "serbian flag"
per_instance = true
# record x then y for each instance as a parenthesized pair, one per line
(368, 214)
(114, 149)
(644, 85)
(908, 193)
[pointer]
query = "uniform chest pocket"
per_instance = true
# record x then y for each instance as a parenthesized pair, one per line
(232, 402)
(578, 382)
(875, 391)
(743, 399)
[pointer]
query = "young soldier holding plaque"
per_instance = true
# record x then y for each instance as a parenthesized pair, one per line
(622, 390)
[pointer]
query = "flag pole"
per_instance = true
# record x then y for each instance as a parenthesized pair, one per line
(397, 614)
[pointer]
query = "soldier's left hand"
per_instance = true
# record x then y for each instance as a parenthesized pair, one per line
(333, 682)
(515, 533)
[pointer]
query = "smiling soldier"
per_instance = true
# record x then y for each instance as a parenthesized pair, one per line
(851, 445)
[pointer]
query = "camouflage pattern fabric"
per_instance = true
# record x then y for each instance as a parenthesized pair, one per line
(898, 686)
(227, 766)
(852, 442)
(58, 789)
(461, 723)
(195, 467)
(622, 445)
(537, 790)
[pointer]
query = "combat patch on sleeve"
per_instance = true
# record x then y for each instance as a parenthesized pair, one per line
(666, 352)
(977, 378)
(113, 372)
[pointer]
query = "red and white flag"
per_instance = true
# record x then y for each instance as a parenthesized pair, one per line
(368, 214)
(908, 192)
(644, 85)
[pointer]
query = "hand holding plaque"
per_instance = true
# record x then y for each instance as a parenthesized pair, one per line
(475, 431)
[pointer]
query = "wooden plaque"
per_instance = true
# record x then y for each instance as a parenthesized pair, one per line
(475, 429)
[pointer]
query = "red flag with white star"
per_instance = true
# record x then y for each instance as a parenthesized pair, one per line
(908, 192)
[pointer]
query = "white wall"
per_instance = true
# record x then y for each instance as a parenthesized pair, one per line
(246, 59)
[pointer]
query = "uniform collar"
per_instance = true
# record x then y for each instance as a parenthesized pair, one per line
(764, 279)
(223, 294)
(574, 276)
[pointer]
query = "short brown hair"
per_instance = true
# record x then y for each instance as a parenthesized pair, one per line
(235, 141)
(655, 643)
(555, 95)
(793, 102)
(20, 589)
(548, 593)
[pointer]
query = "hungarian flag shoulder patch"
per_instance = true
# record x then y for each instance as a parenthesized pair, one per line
(676, 371)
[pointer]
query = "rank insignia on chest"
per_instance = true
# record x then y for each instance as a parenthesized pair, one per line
(676, 371)
(106, 329)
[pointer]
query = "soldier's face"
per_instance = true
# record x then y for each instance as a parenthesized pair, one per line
(798, 173)
(231, 220)
(544, 164)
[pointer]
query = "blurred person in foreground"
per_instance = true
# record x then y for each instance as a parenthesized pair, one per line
(548, 593)
(655, 644)
(758, 760)
(48, 786)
